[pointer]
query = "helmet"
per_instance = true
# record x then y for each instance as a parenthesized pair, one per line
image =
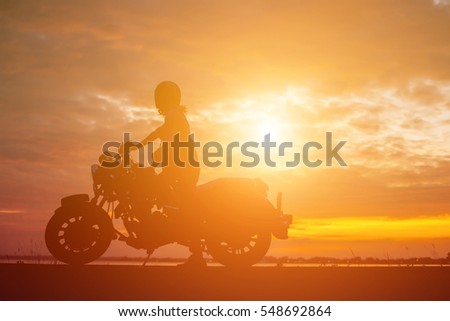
(167, 96)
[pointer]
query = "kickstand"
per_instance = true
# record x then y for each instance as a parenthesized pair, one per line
(147, 258)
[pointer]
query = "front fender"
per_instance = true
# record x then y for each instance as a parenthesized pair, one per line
(75, 199)
(79, 203)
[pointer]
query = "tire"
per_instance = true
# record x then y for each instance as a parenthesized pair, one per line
(244, 251)
(78, 234)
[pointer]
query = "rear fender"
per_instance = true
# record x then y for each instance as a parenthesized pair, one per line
(281, 226)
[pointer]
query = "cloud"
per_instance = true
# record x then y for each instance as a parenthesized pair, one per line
(372, 228)
(441, 2)
(8, 211)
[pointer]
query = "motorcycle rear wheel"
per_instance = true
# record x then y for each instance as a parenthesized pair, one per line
(240, 252)
(79, 235)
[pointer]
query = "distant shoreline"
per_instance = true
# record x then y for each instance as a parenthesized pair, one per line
(267, 261)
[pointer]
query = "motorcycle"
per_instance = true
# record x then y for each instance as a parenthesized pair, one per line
(234, 219)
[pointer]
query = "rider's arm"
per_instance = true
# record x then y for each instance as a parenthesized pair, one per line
(152, 136)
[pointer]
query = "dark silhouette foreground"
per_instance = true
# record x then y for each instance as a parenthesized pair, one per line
(97, 282)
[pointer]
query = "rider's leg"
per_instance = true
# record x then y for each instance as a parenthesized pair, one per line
(192, 217)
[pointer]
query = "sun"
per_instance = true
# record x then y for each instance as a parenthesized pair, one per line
(269, 113)
(270, 126)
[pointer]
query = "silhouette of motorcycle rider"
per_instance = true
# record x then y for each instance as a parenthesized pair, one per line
(176, 183)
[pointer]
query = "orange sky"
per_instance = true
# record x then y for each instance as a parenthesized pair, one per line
(375, 73)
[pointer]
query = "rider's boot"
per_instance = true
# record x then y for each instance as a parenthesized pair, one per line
(196, 259)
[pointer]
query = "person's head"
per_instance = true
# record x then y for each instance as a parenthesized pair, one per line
(167, 96)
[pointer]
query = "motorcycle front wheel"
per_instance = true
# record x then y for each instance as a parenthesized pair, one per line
(239, 251)
(78, 235)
